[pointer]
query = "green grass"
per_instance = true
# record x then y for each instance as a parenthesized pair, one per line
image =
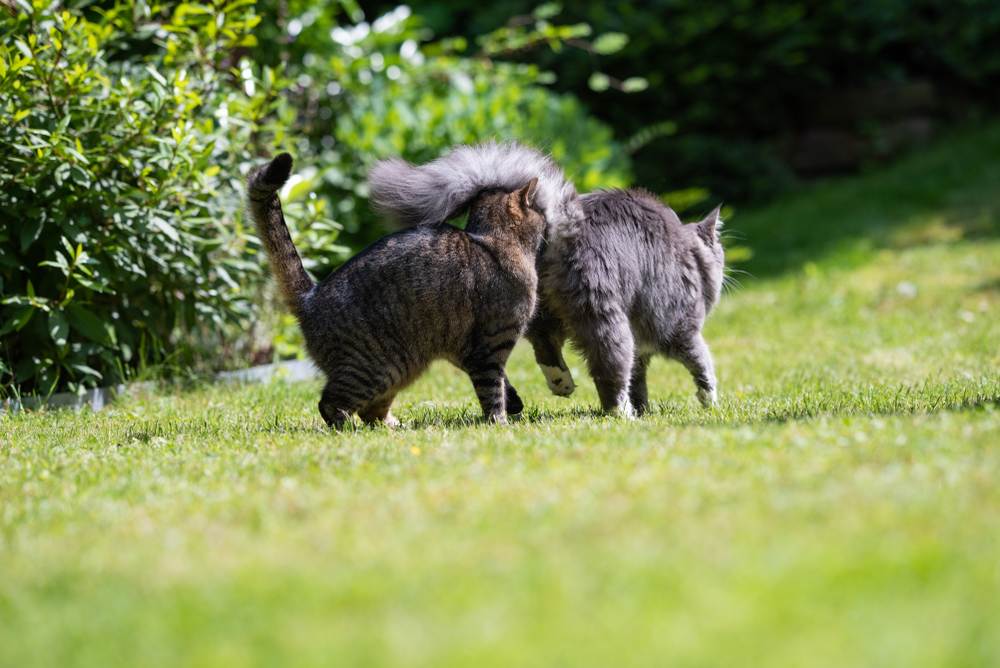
(840, 508)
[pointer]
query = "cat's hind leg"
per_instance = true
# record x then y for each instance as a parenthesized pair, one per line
(546, 335)
(348, 391)
(485, 367)
(638, 393)
(377, 412)
(694, 354)
(512, 400)
(609, 347)
(336, 406)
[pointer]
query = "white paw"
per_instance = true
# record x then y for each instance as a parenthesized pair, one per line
(623, 410)
(708, 398)
(560, 381)
(391, 421)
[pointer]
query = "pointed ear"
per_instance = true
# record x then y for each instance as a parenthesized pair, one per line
(526, 195)
(709, 226)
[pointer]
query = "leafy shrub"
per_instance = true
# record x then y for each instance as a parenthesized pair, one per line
(121, 235)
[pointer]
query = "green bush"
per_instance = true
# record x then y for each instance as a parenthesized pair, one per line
(121, 236)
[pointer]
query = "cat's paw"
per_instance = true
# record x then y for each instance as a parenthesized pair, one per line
(560, 381)
(623, 410)
(708, 398)
(391, 421)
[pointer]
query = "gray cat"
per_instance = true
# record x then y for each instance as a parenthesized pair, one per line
(628, 281)
(619, 274)
(418, 295)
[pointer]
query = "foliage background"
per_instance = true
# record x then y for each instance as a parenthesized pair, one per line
(129, 124)
(731, 83)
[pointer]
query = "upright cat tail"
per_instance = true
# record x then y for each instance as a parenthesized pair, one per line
(265, 209)
(441, 189)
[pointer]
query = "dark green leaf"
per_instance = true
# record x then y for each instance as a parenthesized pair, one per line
(88, 324)
(30, 229)
(15, 318)
(58, 328)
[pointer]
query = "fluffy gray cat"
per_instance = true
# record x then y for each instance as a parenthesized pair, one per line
(627, 282)
(619, 275)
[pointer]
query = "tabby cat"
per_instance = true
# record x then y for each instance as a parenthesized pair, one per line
(426, 293)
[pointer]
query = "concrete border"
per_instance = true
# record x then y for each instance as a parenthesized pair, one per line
(292, 371)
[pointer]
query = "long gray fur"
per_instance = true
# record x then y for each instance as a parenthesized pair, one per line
(630, 282)
(440, 190)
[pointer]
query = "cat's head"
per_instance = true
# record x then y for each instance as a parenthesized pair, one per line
(711, 256)
(511, 213)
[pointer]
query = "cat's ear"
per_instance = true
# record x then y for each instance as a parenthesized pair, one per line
(709, 226)
(526, 195)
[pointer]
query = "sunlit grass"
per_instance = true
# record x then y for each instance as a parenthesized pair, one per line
(840, 506)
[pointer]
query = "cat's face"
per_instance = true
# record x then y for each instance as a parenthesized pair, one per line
(712, 257)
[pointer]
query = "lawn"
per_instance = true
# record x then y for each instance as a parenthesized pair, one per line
(841, 506)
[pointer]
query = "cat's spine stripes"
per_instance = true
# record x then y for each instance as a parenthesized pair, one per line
(265, 209)
(432, 193)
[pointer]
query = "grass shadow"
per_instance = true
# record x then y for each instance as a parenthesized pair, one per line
(762, 409)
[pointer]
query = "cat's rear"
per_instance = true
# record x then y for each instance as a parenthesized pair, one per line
(427, 293)
(422, 294)
(659, 264)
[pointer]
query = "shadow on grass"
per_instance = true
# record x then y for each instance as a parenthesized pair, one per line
(870, 402)
(945, 192)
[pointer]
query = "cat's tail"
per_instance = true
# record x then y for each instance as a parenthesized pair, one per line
(265, 209)
(441, 189)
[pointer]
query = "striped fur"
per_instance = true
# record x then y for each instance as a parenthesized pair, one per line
(426, 293)
(265, 209)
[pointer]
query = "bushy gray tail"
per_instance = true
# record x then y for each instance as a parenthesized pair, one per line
(265, 209)
(440, 190)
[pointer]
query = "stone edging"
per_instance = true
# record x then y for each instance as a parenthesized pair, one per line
(292, 371)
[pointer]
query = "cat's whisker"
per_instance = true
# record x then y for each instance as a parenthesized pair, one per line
(732, 271)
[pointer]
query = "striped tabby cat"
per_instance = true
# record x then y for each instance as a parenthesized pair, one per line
(426, 293)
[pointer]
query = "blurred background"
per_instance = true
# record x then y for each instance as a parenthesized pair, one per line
(128, 126)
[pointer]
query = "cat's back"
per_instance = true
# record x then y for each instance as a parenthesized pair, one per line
(422, 268)
(633, 210)
(408, 251)
(632, 230)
